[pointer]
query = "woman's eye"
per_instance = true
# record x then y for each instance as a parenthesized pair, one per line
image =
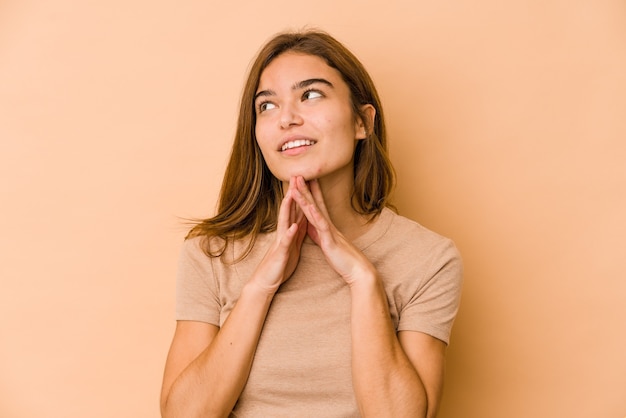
(266, 106)
(312, 94)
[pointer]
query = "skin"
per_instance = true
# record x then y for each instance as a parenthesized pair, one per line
(288, 107)
(394, 374)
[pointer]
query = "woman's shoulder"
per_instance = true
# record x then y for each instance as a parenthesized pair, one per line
(204, 248)
(194, 253)
(202, 245)
(407, 232)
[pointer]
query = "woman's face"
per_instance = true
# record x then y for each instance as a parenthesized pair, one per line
(305, 124)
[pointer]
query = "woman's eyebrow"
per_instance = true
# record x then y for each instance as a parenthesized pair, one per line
(264, 93)
(297, 86)
(306, 83)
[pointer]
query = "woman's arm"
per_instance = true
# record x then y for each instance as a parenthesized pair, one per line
(209, 384)
(388, 381)
(428, 355)
(207, 367)
(393, 376)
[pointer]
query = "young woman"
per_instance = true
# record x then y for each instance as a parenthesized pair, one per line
(306, 295)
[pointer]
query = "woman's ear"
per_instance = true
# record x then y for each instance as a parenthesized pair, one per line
(364, 127)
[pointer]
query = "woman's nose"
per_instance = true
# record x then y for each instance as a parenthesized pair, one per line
(289, 116)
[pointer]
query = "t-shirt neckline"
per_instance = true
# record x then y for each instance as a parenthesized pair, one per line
(380, 225)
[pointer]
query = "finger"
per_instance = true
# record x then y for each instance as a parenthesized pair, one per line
(301, 189)
(297, 213)
(292, 213)
(302, 195)
(307, 203)
(316, 192)
(312, 232)
(284, 213)
(287, 239)
(302, 229)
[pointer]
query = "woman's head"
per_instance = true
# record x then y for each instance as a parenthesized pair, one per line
(305, 121)
(324, 46)
(250, 193)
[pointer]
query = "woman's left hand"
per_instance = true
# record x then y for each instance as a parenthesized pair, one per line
(341, 254)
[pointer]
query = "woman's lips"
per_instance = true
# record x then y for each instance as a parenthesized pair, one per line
(296, 143)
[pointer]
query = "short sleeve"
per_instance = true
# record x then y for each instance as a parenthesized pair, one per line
(197, 292)
(434, 304)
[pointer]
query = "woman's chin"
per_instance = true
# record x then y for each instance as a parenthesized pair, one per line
(287, 180)
(286, 177)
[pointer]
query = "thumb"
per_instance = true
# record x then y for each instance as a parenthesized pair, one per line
(312, 232)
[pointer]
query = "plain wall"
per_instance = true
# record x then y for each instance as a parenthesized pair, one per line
(507, 126)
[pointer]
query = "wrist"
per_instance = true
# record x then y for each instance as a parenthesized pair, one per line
(365, 279)
(254, 288)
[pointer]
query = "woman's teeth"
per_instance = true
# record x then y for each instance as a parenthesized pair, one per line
(296, 143)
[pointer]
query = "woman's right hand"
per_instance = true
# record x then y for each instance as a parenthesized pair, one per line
(282, 257)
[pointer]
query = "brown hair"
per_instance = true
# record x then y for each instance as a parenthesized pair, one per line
(250, 194)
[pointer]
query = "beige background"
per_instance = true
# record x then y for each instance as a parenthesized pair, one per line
(508, 130)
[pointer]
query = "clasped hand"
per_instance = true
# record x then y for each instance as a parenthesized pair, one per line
(303, 212)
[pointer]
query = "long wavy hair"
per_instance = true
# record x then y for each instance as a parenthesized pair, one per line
(250, 195)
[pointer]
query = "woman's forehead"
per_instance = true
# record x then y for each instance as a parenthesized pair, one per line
(293, 67)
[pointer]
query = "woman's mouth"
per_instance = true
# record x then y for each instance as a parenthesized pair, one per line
(297, 143)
